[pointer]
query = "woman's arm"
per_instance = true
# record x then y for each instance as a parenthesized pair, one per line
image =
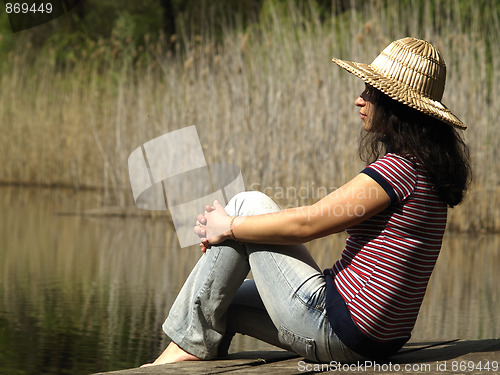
(354, 202)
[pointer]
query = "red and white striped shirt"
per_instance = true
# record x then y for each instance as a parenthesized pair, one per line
(388, 259)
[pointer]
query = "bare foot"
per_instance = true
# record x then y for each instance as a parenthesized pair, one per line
(173, 353)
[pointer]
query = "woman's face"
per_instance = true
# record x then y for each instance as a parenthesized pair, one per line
(365, 102)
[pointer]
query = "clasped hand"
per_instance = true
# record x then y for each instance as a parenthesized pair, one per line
(212, 226)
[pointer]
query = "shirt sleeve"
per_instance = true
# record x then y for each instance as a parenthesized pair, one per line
(395, 174)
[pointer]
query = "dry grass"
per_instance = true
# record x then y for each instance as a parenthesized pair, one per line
(267, 99)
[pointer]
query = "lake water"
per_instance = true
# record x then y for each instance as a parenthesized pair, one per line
(81, 294)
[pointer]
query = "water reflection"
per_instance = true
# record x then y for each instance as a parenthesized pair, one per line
(81, 294)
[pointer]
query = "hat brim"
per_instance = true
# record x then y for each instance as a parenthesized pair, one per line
(400, 92)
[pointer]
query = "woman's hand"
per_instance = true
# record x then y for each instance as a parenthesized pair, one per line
(213, 226)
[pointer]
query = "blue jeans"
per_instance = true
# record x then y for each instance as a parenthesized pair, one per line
(284, 303)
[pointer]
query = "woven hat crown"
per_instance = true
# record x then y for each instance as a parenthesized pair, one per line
(414, 63)
(411, 71)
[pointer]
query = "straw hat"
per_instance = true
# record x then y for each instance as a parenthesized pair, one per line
(412, 72)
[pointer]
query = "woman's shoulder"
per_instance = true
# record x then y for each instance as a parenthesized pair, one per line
(399, 171)
(405, 162)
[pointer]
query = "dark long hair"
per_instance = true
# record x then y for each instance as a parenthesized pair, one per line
(436, 145)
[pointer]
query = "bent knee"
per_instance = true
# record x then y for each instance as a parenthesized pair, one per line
(251, 203)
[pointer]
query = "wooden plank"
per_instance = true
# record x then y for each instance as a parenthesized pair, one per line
(438, 357)
(451, 356)
(450, 350)
(236, 361)
(458, 356)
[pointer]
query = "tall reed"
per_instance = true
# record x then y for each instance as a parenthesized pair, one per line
(266, 98)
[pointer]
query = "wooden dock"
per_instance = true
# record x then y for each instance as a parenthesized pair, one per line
(437, 357)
